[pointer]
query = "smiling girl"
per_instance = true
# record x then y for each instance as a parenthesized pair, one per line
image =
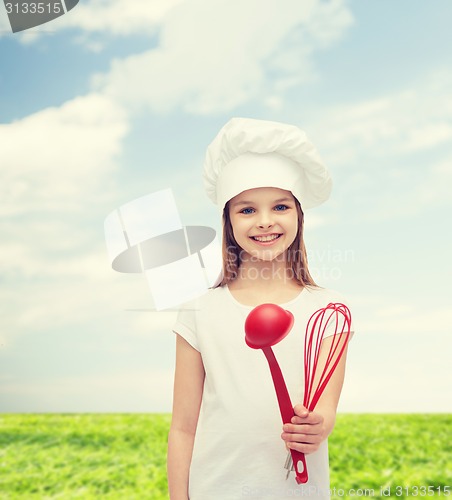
(226, 440)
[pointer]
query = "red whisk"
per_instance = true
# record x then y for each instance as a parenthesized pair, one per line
(268, 324)
(337, 318)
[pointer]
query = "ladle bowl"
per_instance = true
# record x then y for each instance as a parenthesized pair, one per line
(266, 325)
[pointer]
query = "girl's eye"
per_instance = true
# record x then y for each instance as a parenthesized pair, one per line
(247, 211)
(281, 208)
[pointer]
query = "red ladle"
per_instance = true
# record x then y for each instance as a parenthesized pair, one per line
(266, 325)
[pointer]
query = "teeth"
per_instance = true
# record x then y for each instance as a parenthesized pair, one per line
(270, 237)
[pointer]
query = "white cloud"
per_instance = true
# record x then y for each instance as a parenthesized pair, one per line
(118, 17)
(133, 391)
(56, 180)
(398, 360)
(413, 119)
(409, 320)
(63, 294)
(428, 136)
(393, 150)
(144, 323)
(435, 189)
(393, 385)
(212, 57)
(53, 159)
(385, 315)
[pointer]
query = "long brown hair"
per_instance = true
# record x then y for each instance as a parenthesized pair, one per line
(297, 259)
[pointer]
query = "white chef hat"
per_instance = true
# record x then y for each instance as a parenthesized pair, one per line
(250, 153)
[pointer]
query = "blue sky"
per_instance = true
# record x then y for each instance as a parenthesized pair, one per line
(118, 99)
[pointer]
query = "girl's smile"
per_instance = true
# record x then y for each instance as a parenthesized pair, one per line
(266, 239)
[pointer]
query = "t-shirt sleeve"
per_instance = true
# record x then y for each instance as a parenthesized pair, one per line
(185, 325)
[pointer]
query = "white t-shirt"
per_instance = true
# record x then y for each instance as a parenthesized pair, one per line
(238, 451)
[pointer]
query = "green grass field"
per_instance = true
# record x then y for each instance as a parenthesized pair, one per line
(123, 456)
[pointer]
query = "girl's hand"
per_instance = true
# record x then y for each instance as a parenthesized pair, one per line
(305, 432)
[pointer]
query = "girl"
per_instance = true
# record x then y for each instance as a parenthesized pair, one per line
(226, 440)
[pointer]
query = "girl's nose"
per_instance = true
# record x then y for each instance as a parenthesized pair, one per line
(265, 221)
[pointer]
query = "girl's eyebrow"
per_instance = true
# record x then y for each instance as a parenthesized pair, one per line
(280, 200)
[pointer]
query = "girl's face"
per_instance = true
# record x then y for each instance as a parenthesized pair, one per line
(264, 221)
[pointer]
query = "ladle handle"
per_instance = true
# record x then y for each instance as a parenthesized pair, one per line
(286, 409)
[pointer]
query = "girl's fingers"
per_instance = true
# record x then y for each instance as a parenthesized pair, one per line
(303, 447)
(301, 411)
(300, 438)
(312, 419)
(302, 429)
